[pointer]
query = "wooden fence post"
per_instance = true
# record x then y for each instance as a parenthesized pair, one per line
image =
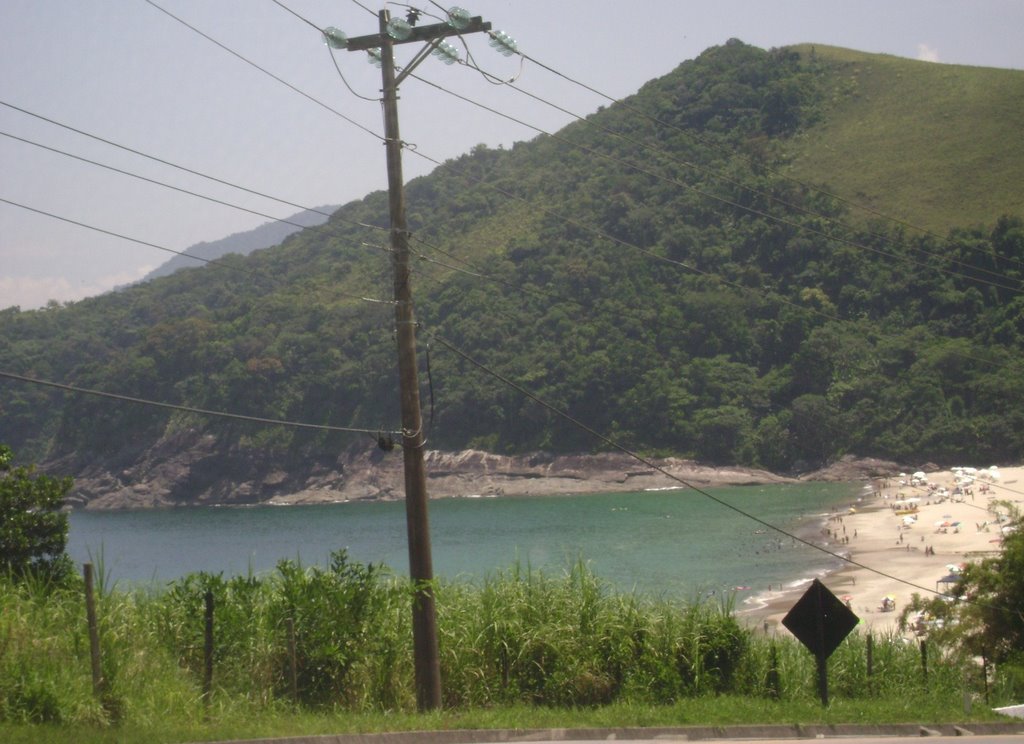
(94, 631)
(208, 651)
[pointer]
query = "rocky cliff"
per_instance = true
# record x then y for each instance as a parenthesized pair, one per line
(191, 469)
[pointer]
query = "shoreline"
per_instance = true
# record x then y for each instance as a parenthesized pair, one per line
(899, 555)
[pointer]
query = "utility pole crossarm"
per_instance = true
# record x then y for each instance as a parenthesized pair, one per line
(419, 33)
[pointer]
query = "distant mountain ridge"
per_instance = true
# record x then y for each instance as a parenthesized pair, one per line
(266, 235)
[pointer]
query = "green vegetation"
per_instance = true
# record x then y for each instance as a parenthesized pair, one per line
(519, 650)
(930, 144)
(987, 622)
(33, 529)
(681, 295)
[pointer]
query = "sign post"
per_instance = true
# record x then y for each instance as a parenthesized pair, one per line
(820, 622)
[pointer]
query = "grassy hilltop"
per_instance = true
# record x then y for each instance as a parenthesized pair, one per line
(936, 145)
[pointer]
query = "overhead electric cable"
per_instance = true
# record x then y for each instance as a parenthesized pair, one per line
(296, 14)
(186, 409)
(368, 10)
(182, 167)
(155, 182)
(341, 75)
(671, 157)
(651, 464)
(681, 184)
(678, 183)
(709, 143)
(314, 228)
(107, 232)
(663, 259)
(209, 261)
(265, 71)
(728, 202)
(329, 50)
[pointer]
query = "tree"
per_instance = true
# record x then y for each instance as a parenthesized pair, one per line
(994, 589)
(33, 529)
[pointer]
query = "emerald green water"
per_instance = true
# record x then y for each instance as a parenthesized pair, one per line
(674, 543)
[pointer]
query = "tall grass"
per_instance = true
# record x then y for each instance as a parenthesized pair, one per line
(338, 638)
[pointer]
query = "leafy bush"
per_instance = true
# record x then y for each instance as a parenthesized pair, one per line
(33, 529)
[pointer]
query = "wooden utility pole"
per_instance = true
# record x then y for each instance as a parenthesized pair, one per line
(421, 570)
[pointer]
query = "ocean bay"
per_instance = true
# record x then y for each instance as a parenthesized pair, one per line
(674, 543)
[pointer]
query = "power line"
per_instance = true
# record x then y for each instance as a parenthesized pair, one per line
(154, 181)
(368, 10)
(478, 273)
(416, 151)
(661, 151)
(794, 225)
(797, 226)
(265, 71)
(297, 15)
(709, 143)
(651, 464)
(329, 50)
(704, 169)
(182, 168)
(186, 409)
(728, 202)
(209, 261)
(648, 463)
(679, 263)
(106, 232)
(610, 442)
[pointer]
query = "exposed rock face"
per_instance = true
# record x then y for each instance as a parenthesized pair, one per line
(849, 468)
(191, 469)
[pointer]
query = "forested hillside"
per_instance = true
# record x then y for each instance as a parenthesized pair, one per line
(656, 272)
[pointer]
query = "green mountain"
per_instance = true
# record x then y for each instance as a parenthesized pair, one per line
(688, 272)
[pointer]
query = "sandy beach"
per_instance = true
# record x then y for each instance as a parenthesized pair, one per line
(898, 554)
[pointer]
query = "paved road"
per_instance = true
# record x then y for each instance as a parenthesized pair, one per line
(976, 739)
(979, 733)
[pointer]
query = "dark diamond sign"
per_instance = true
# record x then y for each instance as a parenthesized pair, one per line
(820, 622)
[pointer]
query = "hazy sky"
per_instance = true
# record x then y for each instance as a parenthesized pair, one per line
(127, 72)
